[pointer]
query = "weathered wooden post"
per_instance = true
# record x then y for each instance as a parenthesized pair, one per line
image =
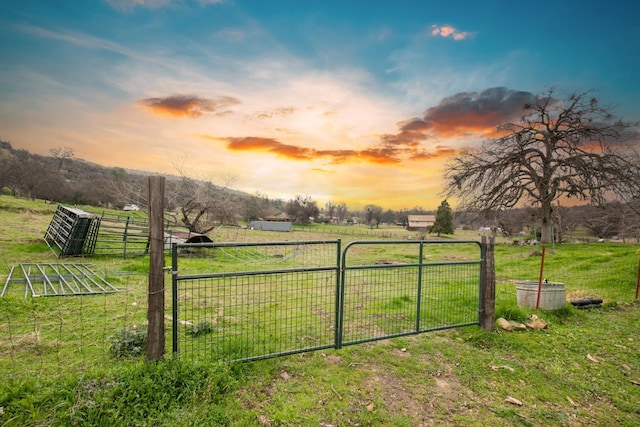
(488, 303)
(155, 312)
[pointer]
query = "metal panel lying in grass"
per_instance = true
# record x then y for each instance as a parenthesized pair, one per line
(45, 280)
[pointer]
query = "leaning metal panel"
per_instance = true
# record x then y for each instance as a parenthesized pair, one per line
(72, 232)
(122, 235)
(45, 280)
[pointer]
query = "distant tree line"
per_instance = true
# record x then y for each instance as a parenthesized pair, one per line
(201, 206)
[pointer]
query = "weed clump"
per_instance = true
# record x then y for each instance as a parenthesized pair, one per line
(203, 328)
(511, 312)
(128, 342)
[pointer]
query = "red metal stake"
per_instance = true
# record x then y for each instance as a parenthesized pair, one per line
(540, 279)
(638, 282)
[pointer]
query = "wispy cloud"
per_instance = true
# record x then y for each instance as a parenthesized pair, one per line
(449, 31)
(130, 5)
(78, 39)
(281, 112)
(232, 34)
(189, 105)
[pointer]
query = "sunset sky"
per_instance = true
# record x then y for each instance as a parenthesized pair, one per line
(344, 100)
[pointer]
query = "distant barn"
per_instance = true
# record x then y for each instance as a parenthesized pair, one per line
(420, 222)
(271, 225)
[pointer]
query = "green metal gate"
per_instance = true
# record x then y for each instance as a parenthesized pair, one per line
(250, 301)
(396, 288)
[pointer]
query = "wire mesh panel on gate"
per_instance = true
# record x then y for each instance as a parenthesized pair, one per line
(257, 300)
(394, 288)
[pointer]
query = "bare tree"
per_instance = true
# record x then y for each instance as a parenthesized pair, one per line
(302, 209)
(603, 222)
(256, 207)
(513, 221)
(630, 226)
(373, 215)
(562, 221)
(330, 210)
(26, 174)
(341, 212)
(203, 205)
(559, 148)
(61, 154)
(389, 216)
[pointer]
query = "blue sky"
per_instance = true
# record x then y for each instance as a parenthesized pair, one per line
(349, 101)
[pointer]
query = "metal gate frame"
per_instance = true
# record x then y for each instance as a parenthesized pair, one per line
(407, 320)
(420, 269)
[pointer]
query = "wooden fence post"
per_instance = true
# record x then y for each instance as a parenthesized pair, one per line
(155, 312)
(488, 303)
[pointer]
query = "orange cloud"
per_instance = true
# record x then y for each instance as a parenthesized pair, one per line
(449, 31)
(188, 105)
(464, 114)
(440, 152)
(252, 143)
(381, 154)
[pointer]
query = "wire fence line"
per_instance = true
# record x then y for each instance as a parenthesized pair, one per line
(54, 335)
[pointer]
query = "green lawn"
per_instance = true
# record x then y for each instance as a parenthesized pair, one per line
(584, 369)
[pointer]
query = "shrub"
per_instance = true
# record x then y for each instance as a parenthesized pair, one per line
(128, 342)
(202, 328)
(511, 312)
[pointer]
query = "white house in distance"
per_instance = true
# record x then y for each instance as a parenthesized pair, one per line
(420, 222)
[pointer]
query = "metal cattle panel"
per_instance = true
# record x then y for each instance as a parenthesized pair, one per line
(396, 288)
(249, 301)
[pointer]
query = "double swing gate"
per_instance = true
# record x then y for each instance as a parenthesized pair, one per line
(250, 301)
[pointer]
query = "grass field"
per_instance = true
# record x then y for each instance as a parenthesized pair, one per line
(59, 368)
